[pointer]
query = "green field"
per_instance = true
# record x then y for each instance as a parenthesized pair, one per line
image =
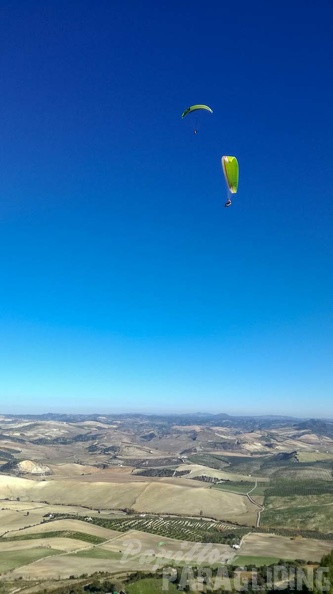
(233, 464)
(235, 487)
(269, 466)
(298, 472)
(150, 586)
(12, 559)
(285, 488)
(212, 461)
(248, 561)
(260, 489)
(242, 487)
(56, 534)
(300, 513)
(301, 505)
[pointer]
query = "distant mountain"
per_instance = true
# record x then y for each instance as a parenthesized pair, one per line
(163, 422)
(317, 426)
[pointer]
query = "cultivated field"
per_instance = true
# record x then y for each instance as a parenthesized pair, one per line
(128, 552)
(63, 566)
(282, 547)
(167, 549)
(196, 470)
(65, 525)
(314, 456)
(180, 528)
(61, 544)
(9, 560)
(147, 552)
(308, 512)
(164, 496)
(17, 515)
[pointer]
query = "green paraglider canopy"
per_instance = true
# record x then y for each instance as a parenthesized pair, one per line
(195, 108)
(231, 173)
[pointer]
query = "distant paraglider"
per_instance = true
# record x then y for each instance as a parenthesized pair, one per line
(229, 164)
(195, 108)
(231, 174)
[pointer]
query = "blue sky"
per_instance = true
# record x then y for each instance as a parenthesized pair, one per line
(125, 284)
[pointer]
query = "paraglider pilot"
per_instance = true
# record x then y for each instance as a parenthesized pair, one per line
(228, 203)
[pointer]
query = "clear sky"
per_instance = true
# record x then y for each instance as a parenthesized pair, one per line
(124, 283)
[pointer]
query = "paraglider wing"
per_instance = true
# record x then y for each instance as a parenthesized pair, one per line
(231, 172)
(195, 108)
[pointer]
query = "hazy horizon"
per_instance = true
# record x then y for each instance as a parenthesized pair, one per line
(159, 412)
